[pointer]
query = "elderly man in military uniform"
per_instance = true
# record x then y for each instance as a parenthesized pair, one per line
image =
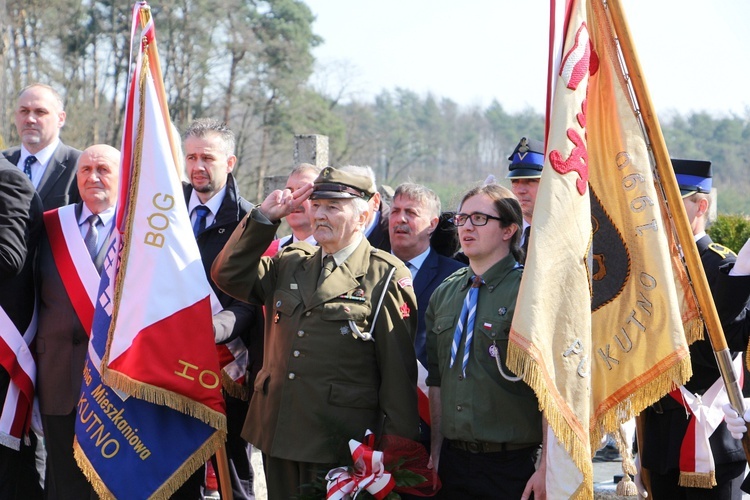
(340, 322)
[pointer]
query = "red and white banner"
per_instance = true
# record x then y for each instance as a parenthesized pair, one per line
(163, 349)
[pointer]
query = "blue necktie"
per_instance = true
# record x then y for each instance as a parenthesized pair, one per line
(30, 160)
(201, 211)
(412, 269)
(466, 322)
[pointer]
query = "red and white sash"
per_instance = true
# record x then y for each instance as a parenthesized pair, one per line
(73, 262)
(697, 468)
(16, 358)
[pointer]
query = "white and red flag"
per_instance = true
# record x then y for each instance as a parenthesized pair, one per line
(615, 340)
(151, 400)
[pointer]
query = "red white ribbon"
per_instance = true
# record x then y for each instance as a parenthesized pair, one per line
(367, 474)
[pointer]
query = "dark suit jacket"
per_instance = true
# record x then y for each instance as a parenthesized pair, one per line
(379, 236)
(58, 185)
(665, 422)
(433, 271)
(247, 322)
(20, 229)
(61, 340)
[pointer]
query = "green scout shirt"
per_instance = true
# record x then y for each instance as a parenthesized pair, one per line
(483, 406)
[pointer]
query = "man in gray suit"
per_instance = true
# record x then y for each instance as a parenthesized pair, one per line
(75, 233)
(49, 164)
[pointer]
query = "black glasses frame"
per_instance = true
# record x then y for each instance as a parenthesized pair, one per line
(478, 219)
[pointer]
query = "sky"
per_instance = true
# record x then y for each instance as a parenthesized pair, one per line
(695, 54)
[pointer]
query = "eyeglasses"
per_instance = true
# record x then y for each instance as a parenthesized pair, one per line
(477, 219)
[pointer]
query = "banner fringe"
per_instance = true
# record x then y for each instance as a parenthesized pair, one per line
(171, 485)
(697, 479)
(90, 472)
(694, 329)
(610, 420)
(159, 396)
(520, 361)
(234, 389)
(200, 457)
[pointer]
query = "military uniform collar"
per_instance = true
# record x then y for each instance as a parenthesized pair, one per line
(494, 274)
(343, 254)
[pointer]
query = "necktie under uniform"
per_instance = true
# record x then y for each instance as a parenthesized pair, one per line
(466, 322)
(30, 160)
(92, 235)
(199, 224)
(328, 265)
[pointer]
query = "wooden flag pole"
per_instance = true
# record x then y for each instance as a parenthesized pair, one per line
(679, 216)
(222, 462)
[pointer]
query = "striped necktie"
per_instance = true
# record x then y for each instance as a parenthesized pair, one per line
(92, 235)
(466, 322)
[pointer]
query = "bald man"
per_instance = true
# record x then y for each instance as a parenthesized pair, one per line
(77, 232)
(42, 156)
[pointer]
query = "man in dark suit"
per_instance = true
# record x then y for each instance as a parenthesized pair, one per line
(376, 226)
(20, 229)
(209, 161)
(76, 233)
(414, 215)
(666, 423)
(50, 164)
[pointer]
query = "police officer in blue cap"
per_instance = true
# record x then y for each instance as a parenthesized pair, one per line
(667, 424)
(524, 172)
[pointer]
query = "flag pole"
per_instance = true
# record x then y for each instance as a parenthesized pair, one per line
(678, 214)
(222, 463)
(155, 66)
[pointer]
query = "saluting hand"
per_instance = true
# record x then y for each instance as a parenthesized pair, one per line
(281, 203)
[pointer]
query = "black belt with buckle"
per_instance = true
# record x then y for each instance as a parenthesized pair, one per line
(480, 447)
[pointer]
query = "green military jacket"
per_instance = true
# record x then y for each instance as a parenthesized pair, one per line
(319, 385)
(483, 406)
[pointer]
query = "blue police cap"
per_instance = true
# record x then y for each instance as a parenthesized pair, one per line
(693, 176)
(527, 160)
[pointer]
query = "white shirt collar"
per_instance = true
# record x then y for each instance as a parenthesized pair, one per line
(419, 260)
(43, 158)
(213, 204)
